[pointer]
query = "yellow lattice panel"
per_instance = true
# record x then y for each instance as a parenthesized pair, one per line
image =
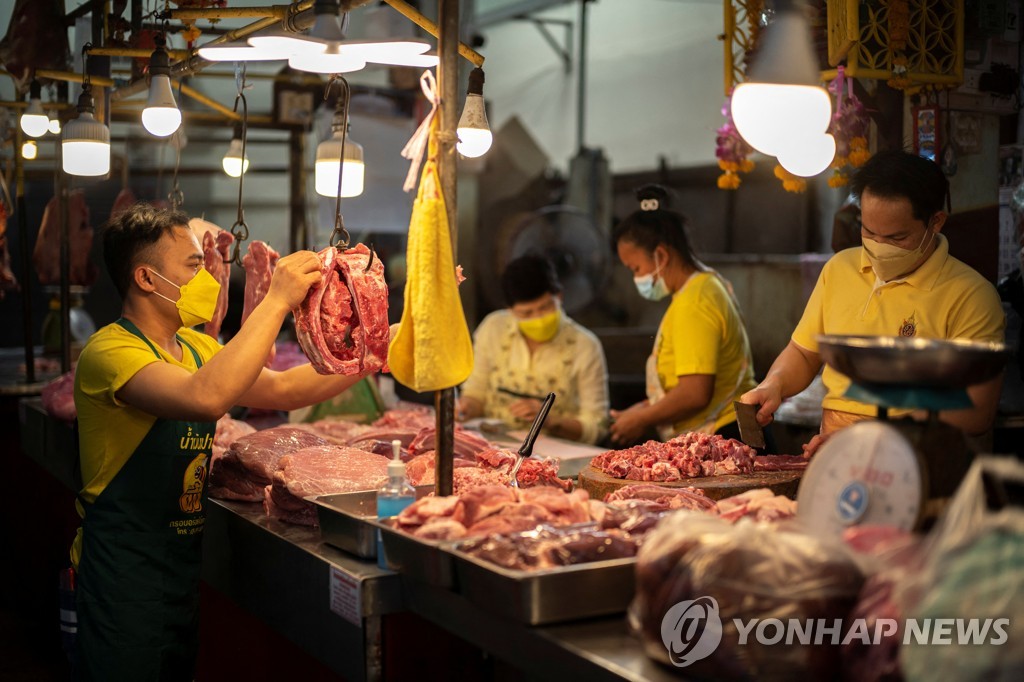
(742, 25)
(859, 32)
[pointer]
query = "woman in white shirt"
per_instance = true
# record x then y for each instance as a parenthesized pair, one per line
(532, 348)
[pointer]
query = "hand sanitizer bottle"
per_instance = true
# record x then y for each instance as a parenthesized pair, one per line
(394, 496)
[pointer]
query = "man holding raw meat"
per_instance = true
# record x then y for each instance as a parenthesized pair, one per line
(149, 390)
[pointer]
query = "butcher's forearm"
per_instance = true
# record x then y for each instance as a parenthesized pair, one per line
(793, 370)
(301, 386)
(233, 370)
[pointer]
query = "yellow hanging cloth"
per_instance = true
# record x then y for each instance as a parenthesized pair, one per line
(432, 349)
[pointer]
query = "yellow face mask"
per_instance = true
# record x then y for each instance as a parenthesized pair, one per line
(197, 299)
(541, 329)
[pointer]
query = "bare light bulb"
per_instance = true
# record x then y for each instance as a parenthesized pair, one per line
(809, 155)
(233, 162)
(54, 125)
(34, 122)
(328, 162)
(29, 150)
(161, 117)
(474, 134)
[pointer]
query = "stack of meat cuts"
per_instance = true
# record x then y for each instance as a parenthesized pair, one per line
(228, 431)
(690, 455)
(493, 509)
(249, 464)
(320, 470)
(488, 467)
(216, 255)
(59, 397)
(259, 263)
(342, 325)
(46, 256)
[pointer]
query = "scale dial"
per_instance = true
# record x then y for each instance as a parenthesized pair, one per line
(867, 474)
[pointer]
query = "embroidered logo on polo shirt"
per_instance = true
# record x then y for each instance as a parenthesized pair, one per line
(909, 327)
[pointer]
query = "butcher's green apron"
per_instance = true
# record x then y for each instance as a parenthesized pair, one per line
(138, 576)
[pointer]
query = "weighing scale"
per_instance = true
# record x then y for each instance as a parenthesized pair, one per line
(896, 472)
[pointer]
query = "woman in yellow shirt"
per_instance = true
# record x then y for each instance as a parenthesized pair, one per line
(701, 360)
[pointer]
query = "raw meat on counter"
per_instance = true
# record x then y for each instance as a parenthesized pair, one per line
(467, 443)
(659, 497)
(46, 255)
(493, 509)
(334, 431)
(690, 455)
(489, 467)
(228, 431)
(342, 325)
(781, 462)
(550, 548)
(533, 472)
(407, 418)
(259, 263)
(216, 255)
(760, 504)
(320, 470)
(59, 397)
(249, 464)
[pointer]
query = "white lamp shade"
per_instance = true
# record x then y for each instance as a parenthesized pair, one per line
(161, 117)
(29, 150)
(328, 157)
(473, 132)
(393, 52)
(34, 122)
(808, 156)
(326, 30)
(233, 162)
(242, 52)
(768, 114)
(85, 147)
(337, 59)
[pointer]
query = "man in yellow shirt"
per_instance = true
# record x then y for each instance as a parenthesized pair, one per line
(900, 282)
(148, 392)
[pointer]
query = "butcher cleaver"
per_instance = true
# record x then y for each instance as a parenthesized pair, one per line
(751, 432)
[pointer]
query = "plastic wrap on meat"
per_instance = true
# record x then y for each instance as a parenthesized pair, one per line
(216, 255)
(752, 571)
(259, 263)
(46, 255)
(320, 470)
(342, 325)
(7, 278)
(250, 462)
(59, 397)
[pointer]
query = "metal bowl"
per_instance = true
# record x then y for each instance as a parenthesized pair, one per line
(901, 361)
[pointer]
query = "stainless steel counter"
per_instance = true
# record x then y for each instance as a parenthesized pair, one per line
(283, 574)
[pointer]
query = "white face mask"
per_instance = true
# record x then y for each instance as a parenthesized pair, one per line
(650, 286)
(890, 261)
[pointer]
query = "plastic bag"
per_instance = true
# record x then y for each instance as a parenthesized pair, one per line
(974, 571)
(752, 571)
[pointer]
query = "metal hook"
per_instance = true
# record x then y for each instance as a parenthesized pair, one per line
(240, 230)
(369, 261)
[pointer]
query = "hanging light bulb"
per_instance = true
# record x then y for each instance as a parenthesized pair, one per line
(34, 121)
(329, 155)
(808, 156)
(29, 150)
(326, 29)
(236, 162)
(54, 125)
(780, 102)
(473, 132)
(85, 142)
(161, 117)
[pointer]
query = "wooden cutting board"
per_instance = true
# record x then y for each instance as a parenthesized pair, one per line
(599, 484)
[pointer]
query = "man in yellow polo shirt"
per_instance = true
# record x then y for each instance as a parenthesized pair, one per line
(900, 282)
(149, 390)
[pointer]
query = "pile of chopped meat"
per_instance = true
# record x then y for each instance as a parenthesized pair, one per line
(493, 509)
(689, 455)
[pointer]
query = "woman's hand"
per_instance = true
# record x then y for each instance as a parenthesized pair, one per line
(525, 409)
(629, 425)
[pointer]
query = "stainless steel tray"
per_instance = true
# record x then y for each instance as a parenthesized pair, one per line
(426, 561)
(553, 595)
(345, 520)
